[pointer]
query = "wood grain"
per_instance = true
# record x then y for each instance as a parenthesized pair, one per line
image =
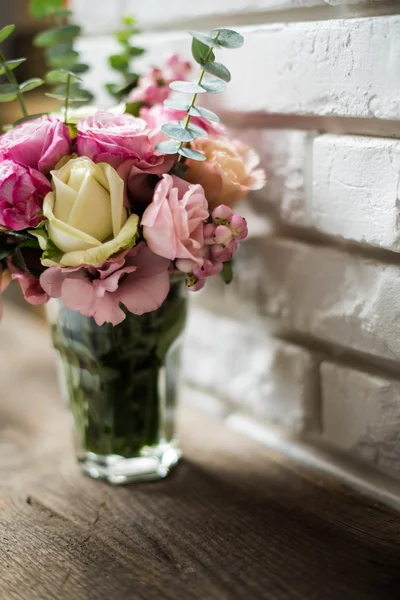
(233, 522)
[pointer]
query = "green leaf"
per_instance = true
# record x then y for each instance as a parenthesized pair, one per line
(228, 38)
(198, 111)
(118, 62)
(168, 147)
(12, 64)
(30, 84)
(176, 104)
(177, 132)
(42, 8)
(195, 130)
(227, 272)
(80, 68)
(134, 51)
(58, 35)
(6, 32)
(28, 118)
(193, 154)
(201, 51)
(204, 38)
(55, 96)
(8, 92)
(61, 76)
(133, 108)
(123, 37)
(217, 69)
(62, 56)
(129, 20)
(187, 87)
(213, 86)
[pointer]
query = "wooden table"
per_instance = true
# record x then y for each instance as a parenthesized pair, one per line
(234, 521)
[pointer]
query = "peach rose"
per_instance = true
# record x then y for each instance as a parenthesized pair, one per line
(228, 174)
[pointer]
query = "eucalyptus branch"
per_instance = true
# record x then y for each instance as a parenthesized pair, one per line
(13, 80)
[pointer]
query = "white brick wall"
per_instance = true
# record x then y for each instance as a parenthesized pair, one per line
(311, 75)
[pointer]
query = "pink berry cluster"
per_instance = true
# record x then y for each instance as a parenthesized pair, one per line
(221, 240)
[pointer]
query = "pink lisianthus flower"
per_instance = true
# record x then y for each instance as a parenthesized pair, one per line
(153, 88)
(38, 144)
(30, 285)
(22, 190)
(124, 142)
(173, 223)
(138, 279)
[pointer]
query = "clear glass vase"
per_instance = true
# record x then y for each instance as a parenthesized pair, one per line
(120, 384)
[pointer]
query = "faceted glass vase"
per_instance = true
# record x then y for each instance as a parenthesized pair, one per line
(120, 384)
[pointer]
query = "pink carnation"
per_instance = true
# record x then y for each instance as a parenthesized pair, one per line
(22, 190)
(124, 142)
(153, 88)
(173, 222)
(138, 279)
(30, 285)
(39, 143)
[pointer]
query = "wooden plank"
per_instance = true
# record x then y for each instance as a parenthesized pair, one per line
(233, 521)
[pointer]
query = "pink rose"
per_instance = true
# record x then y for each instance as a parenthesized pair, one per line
(124, 142)
(173, 222)
(30, 285)
(39, 143)
(138, 279)
(22, 190)
(158, 115)
(228, 174)
(153, 88)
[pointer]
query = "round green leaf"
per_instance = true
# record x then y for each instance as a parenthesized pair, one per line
(8, 92)
(31, 84)
(58, 35)
(217, 69)
(62, 56)
(168, 147)
(198, 111)
(195, 130)
(61, 76)
(6, 32)
(118, 62)
(55, 96)
(204, 38)
(228, 38)
(177, 132)
(213, 86)
(79, 68)
(134, 51)
(187, 87)
(42, 8)
(176, 104)
(193, 154)
(12, 64)
(201, 52)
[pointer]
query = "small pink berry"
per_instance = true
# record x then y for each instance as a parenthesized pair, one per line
(193, 284)
(222, 213)
(239, 227)
(185, 265)
(222, 235)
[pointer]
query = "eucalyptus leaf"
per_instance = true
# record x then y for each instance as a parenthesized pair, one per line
(11, 65)
(80, 68)
(213, 85)
(6, 32)
(8, 92)
(187, 87)
(227, 272)
(192, 154)
(176, 104)
(61, 76)
(204, 38)
(31, 84)
(195, 129)
(62, 56)
(58, 35)
(133, 108)
(227, 38)
(177, 132)
(43, 8)
(198, 111)
(168, 147)
(217, 69)
(135, 51)
(201, 52)
(118, 62)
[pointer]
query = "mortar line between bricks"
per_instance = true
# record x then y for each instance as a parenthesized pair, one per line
(342, 355)
(290, 15)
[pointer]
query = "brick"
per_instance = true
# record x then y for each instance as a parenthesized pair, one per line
(285, 155)
(361, 414)
(356, 189)
(238, 362)
(324, 68)
(323, 292)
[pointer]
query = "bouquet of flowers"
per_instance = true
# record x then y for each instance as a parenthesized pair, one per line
(104, 209)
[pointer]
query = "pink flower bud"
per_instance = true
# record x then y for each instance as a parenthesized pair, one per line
(208, 269)
(221, 253)
(238, 227)
(222, 235)
(208, 233)
(222, 213)
(193, 284)
(185, 265)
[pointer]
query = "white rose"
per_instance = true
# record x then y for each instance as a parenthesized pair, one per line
(86, 217)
